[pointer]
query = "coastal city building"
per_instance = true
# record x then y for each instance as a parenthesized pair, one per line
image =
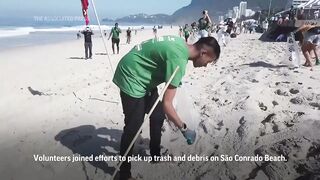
(242, 8)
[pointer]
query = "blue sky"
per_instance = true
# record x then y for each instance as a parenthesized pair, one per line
(106, 8)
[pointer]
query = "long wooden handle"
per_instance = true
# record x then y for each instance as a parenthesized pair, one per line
(147, 117)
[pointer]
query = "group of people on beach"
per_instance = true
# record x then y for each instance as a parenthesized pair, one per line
(295, 14)
(114, 35)
(155, 61)
(164, 60)
(200, 30)
(227, 28)
(203, 28)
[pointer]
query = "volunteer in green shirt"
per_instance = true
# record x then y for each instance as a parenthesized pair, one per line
(138, 74)
(115, 31)
(186, 32)
(204, 24)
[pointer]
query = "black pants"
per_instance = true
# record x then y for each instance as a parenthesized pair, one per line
(128, 39)
(88, 47)
(115, 41)
(186, 37)
(134, 110)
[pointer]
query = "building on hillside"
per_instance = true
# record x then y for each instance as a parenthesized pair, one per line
(242, 8)
(236, 12)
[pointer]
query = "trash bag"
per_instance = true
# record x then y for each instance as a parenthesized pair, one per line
(193, 38)
(185, 109)
(293, 51)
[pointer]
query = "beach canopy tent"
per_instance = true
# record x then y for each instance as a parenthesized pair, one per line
(250, 21)
(308, 4)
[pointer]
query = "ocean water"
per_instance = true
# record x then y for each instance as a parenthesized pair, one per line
(25, 32)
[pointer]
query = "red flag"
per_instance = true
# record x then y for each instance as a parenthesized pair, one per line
(85, 4)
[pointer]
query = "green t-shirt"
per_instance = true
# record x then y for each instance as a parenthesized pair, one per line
(115, 32)
(151, 63)
(186, 31)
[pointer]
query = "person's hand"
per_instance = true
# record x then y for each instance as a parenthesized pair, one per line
(189, 135)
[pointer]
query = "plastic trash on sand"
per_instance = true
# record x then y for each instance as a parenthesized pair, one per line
(185, 109)
(293, 51)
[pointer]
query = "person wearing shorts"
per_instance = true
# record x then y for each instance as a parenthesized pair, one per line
(204, 24)
(310, 42)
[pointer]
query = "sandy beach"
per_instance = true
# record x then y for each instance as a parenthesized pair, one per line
(53, 102)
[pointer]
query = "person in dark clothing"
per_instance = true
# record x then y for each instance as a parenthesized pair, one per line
(300, 15)
(155, 31)
(230, 26)
(79, 35)
(128, 35)
(87, 42)
(292, 13)
(186, 32)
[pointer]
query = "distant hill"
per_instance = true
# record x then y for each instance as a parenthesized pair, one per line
(145, 18)
(193, 11)
(107, 20)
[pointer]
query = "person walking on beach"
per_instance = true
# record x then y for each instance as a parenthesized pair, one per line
(310, 42)
(193, 30)
(128, 35)
(265, 25)
(292, 13)
(154, 29)
(204, 24)
(230, 26)
(316, 14)
(87, 42)
(186, 32)
(300, 15)
(79, 35)
(139, 73)
(180, 31)
(115, 32)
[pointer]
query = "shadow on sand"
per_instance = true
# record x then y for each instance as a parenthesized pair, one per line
(86, 140)
(76, 58)
(101, 54)
(264, 64)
